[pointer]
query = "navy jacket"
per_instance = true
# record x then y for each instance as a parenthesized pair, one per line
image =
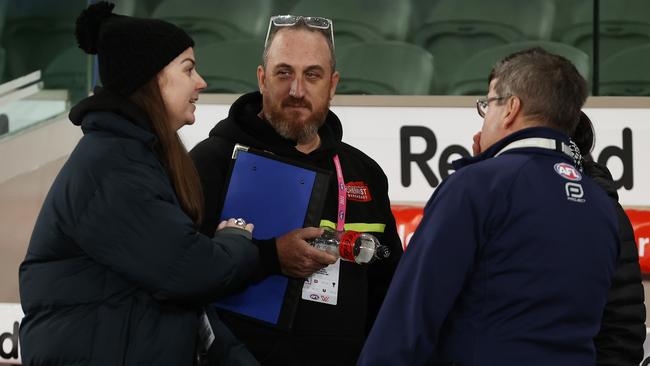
(116, 272)
(511, 265)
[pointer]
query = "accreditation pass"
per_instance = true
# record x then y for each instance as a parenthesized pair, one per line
(323, 285)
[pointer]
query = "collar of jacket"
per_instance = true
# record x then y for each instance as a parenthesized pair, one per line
(243, 125)
(493, 150)
(107, 111)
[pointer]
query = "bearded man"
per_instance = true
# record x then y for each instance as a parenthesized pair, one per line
(290, 117)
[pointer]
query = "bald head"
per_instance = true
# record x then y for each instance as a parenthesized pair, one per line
(302, 27)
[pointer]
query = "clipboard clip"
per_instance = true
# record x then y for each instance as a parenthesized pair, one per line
(244, 148)
(237, 149)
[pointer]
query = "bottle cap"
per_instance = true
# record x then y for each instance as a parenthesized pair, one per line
(383, 251)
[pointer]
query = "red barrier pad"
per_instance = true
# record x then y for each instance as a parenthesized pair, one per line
(640, 220)
(407, 218)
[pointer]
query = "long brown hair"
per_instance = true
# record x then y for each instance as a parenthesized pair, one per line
(180, 167)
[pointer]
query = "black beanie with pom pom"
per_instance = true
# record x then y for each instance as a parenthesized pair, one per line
(130, 50)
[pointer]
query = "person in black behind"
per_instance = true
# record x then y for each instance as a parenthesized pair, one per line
(622, 333)
(116, 272)
(290, 117)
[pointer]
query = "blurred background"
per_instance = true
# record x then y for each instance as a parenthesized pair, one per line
(435, 48)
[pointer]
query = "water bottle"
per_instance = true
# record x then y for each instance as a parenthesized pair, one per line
(351, 246)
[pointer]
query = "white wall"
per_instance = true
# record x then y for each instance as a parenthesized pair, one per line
(376, 131)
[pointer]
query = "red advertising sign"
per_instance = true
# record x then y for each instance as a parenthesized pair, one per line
(408, 218)
(640, 220)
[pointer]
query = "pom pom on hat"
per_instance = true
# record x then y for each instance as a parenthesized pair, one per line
(88, 24)
(130, 51)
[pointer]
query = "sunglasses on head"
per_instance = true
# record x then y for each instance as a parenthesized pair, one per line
(292, 20)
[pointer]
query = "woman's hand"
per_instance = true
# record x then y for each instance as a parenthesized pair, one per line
(236, 223)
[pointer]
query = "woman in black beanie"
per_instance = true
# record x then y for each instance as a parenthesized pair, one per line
(116, 272)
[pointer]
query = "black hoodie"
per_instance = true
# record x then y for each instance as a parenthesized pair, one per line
(362, 288)
(620, 339)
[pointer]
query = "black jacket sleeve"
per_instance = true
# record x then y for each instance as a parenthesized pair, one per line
(133, 226)
(620, 339)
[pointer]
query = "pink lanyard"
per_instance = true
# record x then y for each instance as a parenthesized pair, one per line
(340, 222)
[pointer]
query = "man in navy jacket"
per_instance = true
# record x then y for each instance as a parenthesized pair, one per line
(514, 256)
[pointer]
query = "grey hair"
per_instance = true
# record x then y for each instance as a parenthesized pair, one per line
(549, 86)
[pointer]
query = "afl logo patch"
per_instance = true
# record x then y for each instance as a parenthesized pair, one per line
(567, 171)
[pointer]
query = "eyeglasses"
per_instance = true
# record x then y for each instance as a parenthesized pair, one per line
(291, 20)
(482, 104)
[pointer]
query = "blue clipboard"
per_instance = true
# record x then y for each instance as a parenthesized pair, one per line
(277, 196)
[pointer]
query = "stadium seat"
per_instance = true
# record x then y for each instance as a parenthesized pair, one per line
(472, 76)
(455, 29)
(230, 66)
(626, 73)
(281, 7)
(384, 68)
(149, 5)
(69, 70)
(361, 20)
(3, 15)
(564, 16)
(420, 10)
(217, 20)
(3, 56)
(36, 31)
(623, 24)
(133, 8)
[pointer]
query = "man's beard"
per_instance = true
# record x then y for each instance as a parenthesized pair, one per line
(286, 123)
